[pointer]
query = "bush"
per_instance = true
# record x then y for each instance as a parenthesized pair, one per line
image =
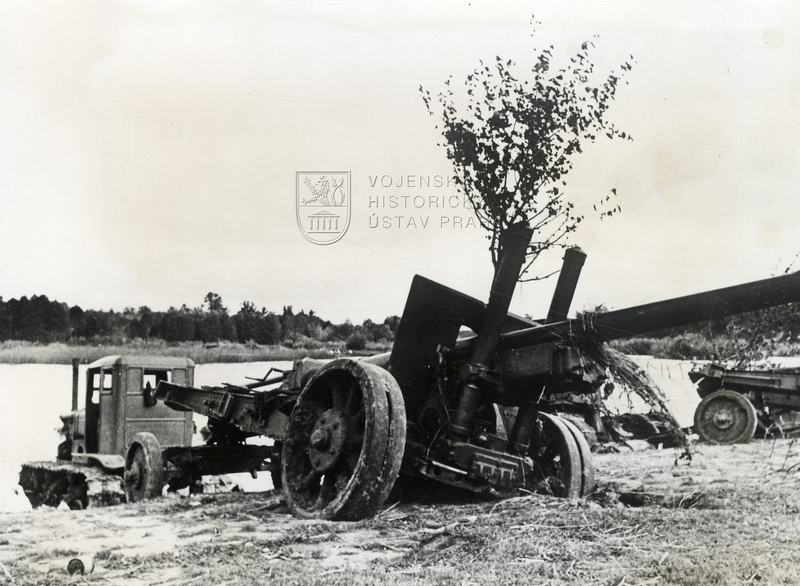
(683, 346)
(635, 346)
(308, 343)
(690, 346)
(356, 342)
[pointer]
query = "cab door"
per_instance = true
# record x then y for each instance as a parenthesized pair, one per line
(107, 423)
(141, 414)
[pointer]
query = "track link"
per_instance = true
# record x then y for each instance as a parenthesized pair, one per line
(78, 486)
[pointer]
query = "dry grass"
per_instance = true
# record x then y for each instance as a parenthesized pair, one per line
(743, 531)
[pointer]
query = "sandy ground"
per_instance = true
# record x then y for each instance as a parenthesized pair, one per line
(730, 516)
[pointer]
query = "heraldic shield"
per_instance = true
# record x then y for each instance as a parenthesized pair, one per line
(323, 205)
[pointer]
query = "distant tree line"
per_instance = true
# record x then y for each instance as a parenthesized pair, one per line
(40, 319)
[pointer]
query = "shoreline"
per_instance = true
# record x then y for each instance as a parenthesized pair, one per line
(15, 352)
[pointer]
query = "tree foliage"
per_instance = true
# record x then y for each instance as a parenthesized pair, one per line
(260, 326)
(512, 139)
(40, 319)
(752, 337)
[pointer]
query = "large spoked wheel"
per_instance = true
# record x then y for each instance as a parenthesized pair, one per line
(557, 465)
(345, 442)
(144, 468)
(585, 453)
(725, 417)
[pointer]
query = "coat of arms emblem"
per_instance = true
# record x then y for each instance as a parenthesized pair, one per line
(323, 205)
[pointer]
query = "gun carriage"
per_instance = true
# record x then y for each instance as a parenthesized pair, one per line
(468, 397)
(738, 403)
(475, 411)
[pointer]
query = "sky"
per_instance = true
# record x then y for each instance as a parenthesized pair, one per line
(149, 150)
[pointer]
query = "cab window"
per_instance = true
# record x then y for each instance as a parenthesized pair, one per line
(96, 382)
(153, 377)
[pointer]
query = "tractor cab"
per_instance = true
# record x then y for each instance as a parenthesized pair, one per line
(120, 402)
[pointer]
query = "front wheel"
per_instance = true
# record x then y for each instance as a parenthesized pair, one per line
(345, 442)
(725, 417)
(144, 468)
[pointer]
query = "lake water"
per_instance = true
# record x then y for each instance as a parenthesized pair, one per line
(34, 395)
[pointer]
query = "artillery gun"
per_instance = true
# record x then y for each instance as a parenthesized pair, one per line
(436, 406)
(738, 403)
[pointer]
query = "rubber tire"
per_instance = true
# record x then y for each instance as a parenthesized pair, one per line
(360, 497)
(396, 444)
(572, 478)
(152, 484)
(587, 467)
(751, 418)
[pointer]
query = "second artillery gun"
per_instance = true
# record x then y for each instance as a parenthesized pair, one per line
(738, 403)
(437, 406)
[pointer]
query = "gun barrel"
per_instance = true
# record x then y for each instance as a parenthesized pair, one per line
(690, 309)
(680, 311)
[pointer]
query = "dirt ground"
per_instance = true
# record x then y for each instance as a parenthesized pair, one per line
(730, 516)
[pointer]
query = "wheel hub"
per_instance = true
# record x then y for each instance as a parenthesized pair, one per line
(321, 438)
(327, 440)
(133, 476)
(723, 419)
